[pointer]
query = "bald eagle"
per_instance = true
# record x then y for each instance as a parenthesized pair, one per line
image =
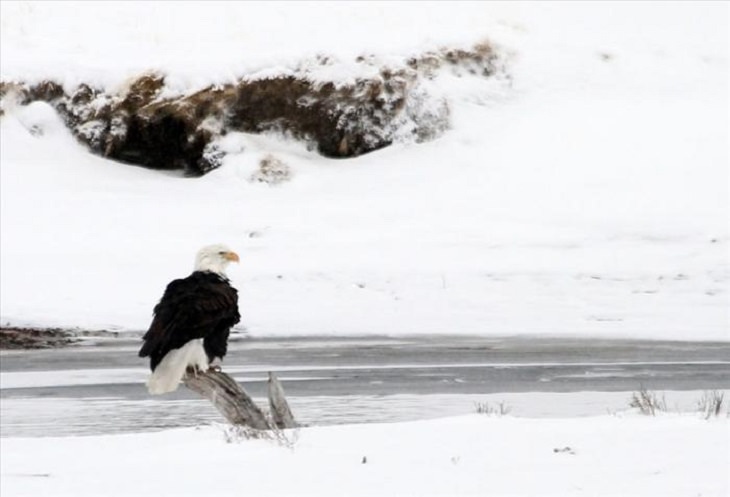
(192, 321)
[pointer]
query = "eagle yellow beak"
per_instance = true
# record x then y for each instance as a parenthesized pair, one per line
(232, 256)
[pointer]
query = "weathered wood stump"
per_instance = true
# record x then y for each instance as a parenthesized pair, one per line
(237, 406)
(281, 414)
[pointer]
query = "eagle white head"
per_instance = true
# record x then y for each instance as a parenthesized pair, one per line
(215, 258)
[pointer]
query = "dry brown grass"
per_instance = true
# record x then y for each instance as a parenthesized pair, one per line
(647, 402)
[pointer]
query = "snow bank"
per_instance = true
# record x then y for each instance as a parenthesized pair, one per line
(590, 198)
(472, 455)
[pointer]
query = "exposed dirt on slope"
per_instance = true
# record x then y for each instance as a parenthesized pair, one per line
(147, 124)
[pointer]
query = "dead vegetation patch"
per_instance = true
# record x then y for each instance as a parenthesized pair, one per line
(34, 338)
(141, 126)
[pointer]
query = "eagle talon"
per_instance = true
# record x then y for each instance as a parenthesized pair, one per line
(214, 368)
(194, 371)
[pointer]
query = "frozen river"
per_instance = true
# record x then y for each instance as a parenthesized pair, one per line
(98, 387)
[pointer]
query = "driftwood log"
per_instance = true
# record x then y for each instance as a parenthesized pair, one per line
(237, 406)
(281, 414)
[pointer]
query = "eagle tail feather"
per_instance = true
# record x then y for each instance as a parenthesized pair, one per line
(168, 374)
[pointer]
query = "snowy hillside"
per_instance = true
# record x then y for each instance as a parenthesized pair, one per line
(586, 194)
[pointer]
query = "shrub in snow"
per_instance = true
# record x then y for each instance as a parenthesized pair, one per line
(239, 433)
(492, 410)
(272, 171)
(647, 402)
(710, 404)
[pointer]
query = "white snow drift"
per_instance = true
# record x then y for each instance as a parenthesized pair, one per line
(623, 455)
(588, 197)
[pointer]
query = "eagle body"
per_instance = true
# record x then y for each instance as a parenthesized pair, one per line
(191, 323)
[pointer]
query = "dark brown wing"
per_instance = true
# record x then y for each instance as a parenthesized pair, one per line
(192, 307)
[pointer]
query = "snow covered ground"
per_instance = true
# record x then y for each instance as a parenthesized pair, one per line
(587, 195)
(622, 455)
